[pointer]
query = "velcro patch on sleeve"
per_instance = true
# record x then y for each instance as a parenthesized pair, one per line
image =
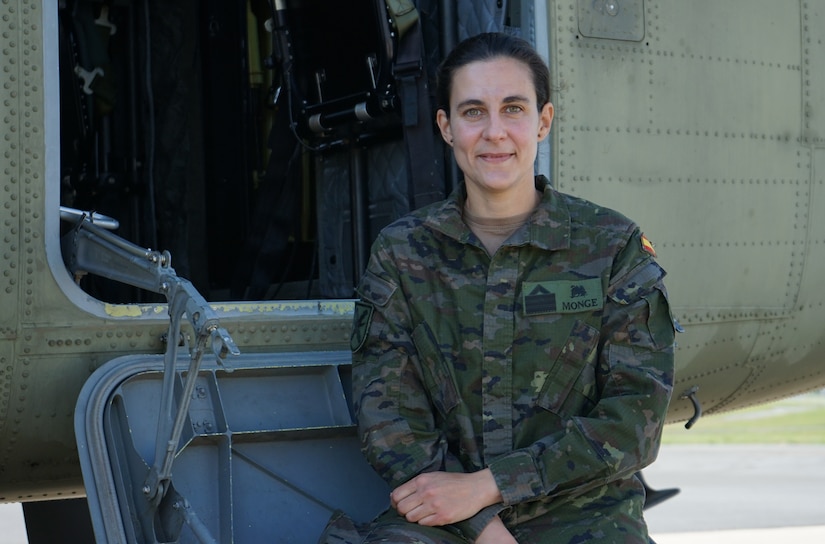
(360, 325)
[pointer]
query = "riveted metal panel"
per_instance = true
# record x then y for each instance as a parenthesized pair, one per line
(40, 422)
(729, 344)
(812, 292)
(612, 19)
(691, 134)
(804, 336)
(28, 152)
(11, 155)
(6, 372)
(39, 261)
(813, 71)
(14, 172)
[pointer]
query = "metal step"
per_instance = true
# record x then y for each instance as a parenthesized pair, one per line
(268, 453)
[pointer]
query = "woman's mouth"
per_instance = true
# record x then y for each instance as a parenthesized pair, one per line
(495, 157)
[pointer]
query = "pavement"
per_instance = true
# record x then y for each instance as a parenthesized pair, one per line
(728, 494)
(781, 535)
(12, 527)
(759, 494)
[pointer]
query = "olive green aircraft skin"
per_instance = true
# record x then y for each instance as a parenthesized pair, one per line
(704, 121)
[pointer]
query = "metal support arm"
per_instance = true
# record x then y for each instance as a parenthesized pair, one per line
(91, 249)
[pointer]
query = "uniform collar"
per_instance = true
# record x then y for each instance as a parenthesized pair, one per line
(548, 227)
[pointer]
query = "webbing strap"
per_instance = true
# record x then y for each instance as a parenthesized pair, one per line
(427, 185)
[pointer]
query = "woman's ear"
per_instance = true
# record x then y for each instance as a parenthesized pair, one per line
(443, 122)
(545, 120)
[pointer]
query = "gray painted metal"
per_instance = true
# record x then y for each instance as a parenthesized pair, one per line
(268, 453)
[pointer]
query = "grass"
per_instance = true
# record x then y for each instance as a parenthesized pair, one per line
(797, 420)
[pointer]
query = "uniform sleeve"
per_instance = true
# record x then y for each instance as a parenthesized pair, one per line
(396, 420)
(634, 374)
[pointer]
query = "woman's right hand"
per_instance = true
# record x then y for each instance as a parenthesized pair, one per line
(496, 533)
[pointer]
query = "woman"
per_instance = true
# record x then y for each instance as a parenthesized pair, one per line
(513, 346)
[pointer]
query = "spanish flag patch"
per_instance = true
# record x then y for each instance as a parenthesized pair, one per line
(647, 246)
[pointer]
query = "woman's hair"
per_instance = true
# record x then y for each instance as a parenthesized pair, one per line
(487, 47)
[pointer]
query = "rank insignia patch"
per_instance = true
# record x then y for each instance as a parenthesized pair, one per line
(563, 297)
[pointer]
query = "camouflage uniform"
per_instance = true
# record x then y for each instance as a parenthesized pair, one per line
(550, 362)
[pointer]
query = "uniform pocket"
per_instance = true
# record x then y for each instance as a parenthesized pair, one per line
(660, 319)
(570, 385)
(436, 372)
(642, 302)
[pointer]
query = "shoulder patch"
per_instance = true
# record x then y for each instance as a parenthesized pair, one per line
(647, 246)
(361, 322)
(374, 289)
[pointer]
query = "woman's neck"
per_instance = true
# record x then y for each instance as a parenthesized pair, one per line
(501, 206)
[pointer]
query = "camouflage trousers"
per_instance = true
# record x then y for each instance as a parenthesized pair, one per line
(393, 529)
(388, 528)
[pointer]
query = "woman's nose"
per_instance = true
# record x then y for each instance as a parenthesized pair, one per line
(495, 129)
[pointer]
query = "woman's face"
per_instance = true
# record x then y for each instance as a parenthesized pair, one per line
(494, 125)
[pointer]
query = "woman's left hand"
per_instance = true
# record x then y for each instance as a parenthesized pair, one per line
(442, 498)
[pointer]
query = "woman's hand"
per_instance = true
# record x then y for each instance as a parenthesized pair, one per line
(442, 498)
(495, 533)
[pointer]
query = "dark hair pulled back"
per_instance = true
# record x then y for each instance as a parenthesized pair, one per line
(488, 46)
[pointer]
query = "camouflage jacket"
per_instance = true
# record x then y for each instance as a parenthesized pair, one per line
(550, 362)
